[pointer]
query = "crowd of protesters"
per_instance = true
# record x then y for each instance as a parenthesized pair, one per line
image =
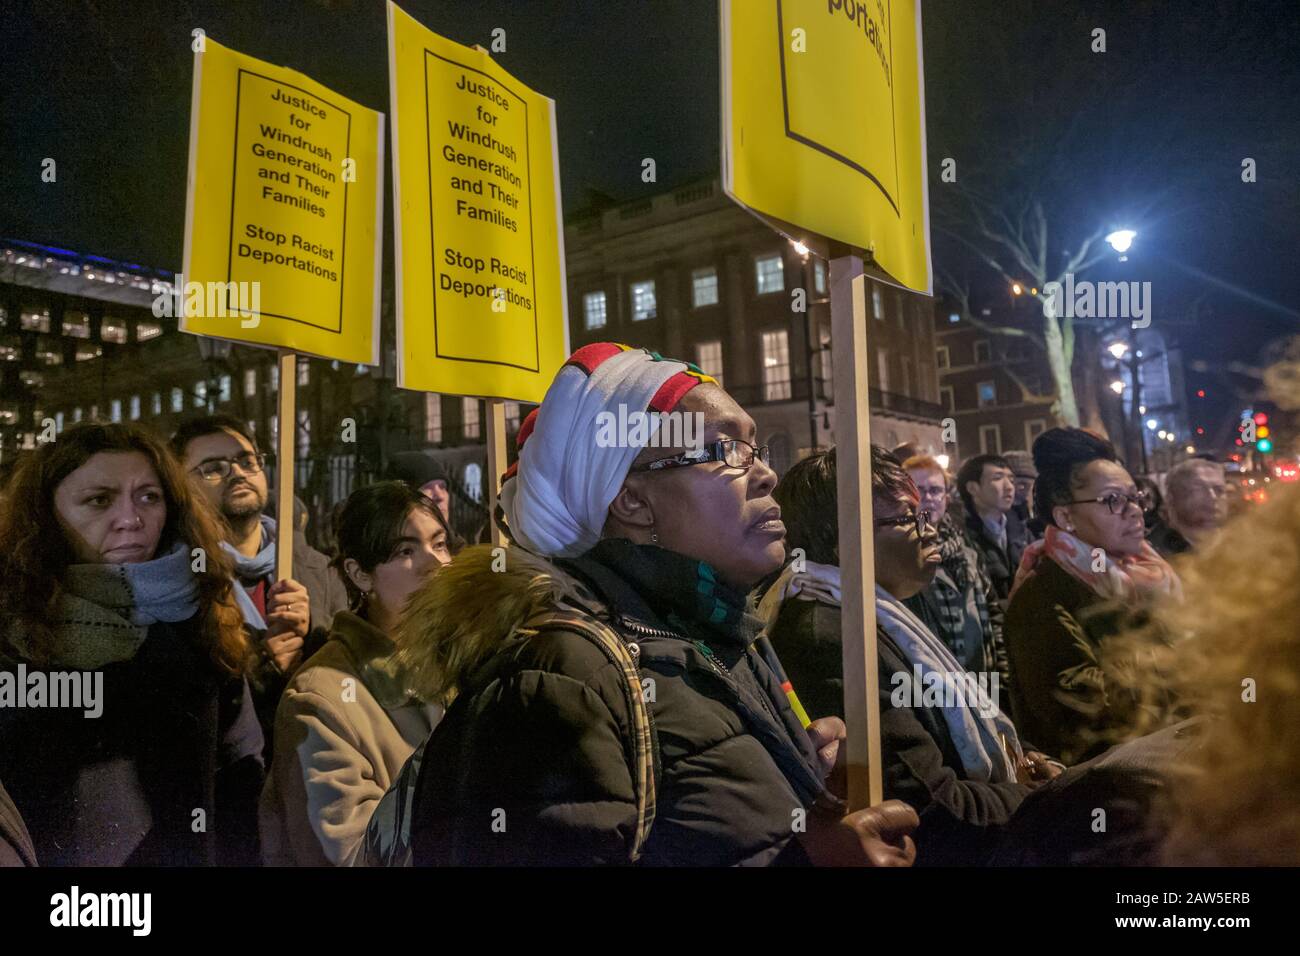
(651, 672)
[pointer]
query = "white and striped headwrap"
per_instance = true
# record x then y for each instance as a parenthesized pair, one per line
(556, 496)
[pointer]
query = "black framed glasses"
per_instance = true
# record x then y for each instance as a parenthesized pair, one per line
(733, 452)
(217, 469)
(1116, 502)
(921, 519)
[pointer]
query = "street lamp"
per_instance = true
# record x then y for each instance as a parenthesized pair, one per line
(1117, 387)
(1117, 349)
(803, 252)
(1017, 288)
(1121, 239)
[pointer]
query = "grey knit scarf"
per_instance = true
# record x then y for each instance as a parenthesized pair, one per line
(106, 609)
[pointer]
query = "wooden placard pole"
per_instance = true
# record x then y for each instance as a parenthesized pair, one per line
(496, 463)
(856, 529)
(285, 445)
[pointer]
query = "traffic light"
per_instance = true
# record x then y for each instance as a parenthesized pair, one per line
(1264, 446)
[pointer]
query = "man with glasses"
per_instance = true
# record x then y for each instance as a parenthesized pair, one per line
(960, 604)
(1196, 504)
(225, 466)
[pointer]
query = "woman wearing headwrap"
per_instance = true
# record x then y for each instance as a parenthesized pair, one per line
(606, 701)
(118, 593)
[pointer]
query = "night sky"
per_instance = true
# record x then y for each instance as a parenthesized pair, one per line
(1150, 134)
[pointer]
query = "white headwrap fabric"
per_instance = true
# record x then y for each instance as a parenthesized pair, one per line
(557, 501)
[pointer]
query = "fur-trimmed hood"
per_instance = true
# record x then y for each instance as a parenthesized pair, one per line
(468, 609)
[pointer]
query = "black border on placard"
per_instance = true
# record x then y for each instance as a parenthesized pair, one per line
(234, 176)
(807, 141)
(532, 237)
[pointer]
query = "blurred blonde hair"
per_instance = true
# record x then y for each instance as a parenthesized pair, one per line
(1230, 651)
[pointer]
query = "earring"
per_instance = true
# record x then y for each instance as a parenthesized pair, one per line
(654, 536)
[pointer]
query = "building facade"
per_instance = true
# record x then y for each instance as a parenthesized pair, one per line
(691, 275)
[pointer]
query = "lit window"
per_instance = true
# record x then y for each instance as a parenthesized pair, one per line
(953, 318)
(58, 421)
(776, 366)
(470, 417)
(987, 393)
(115, 410)
(275, 430)
(512, 416)
(275, 378)
(200, 394)
(76, 414)
(144, 331)
(76, 324)
(35, 320)
(304, 434)
(708, 356)
(250, 382)
(135, 408)
(882, 363)
(223, 388)
(474, 480)
(819, 276)
(157, 403)
(828, 365)
(877, 303)
(593, 310)
(432, 417)
(94, 413)
(178, 400)
(704, 287)
(770, 273)
(643, 300)
(304, 371)
(113, 330)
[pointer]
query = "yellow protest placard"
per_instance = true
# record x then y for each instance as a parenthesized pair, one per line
(284, 217)
(481, 301)
(823, 123)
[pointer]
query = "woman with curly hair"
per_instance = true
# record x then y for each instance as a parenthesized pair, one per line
(1229, 653)
(116, 586)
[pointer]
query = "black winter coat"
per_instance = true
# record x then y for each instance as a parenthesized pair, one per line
(1053, 628)
(1000, 563)
(535, 743)
(174, 737)
(962, 821)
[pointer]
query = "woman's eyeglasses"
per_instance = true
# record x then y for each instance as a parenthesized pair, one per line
(921, 519)
(733, 452)
(1116, 502)
(216, 469)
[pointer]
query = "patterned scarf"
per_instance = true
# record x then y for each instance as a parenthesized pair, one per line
(1121, 578)
(106, 609)
(686, 591)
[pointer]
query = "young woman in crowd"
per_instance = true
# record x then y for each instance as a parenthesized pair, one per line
(609, 705)
(347, 721)
(960, 766)
(1091, 569)
(116, 585)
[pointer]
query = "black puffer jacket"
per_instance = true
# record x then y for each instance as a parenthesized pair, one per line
(531, 763)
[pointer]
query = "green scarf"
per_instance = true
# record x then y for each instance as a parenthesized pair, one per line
(692, 592)
(105, 610)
